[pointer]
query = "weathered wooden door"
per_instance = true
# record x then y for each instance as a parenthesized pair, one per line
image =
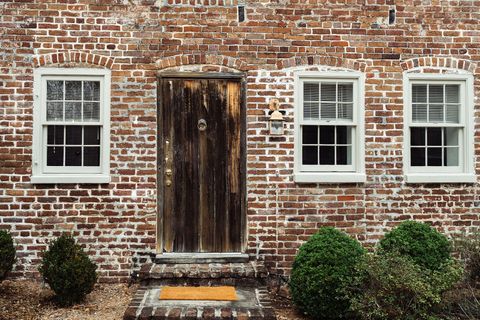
(202, 165)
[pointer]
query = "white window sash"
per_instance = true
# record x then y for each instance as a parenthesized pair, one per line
(464, 172)
(327, 173)
(41, 173)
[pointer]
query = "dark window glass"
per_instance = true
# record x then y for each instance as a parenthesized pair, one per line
(91, 90)
(327, 135)
(417, 156)
(342, 155)
(434, 156)
(310, 155)
(54, 156)
(310, 135)
(74, 135)
(73, 90)
(91, 156)
(327, 155)
(434, 136)
(54, 90)
(55, 135)
(91, 135)
(73, 156)
(417, 136)
(342, 133)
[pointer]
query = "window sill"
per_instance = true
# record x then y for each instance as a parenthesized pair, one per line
(440, 178)
(330, 177)
(70, 178)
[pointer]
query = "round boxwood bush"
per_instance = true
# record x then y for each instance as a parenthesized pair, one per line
(7, 254)
(68, 270)
(322, 272)
(424, 245)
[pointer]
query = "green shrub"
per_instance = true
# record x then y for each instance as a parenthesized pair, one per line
(392, 286)
(68, 270)
(426, 246)
(322, 273)
(7, 254)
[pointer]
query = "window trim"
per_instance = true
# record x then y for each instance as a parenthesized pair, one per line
(466, 173)
(83, 175)
(358, 146)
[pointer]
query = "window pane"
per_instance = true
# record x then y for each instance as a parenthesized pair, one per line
(434, 136)
(419, 113)
(435, 113)
(452, 113)
(452, 93)
(310, 110)
(450, 158)
(327, 134)
(55, 135)
(345, 111)
(451, 136)
(327, 155)
(434, 156)
(73, 111)
(54, 156)
(91, 111)
(329, 92)
(73, 156)
(91, 156)
(54, 90)
(310, 155)
(345, 92)
(54, 111)
(417, 156)
(74, 135)
(344, 135)
(73, 90)
(344, 155)
(91, 135)
(91, 90)
(417, 136)
(328, 111)
(435, 94)
(419, 93)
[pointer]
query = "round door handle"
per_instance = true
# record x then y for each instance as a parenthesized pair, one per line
(202, 124)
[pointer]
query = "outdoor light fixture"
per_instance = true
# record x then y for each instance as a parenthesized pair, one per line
(276, 118)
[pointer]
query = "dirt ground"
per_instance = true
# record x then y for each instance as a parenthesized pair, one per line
(28, 300)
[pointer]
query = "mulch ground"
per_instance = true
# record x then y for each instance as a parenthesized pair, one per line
(28, 300)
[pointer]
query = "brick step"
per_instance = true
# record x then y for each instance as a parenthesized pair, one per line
(253, 303)
(252, 272)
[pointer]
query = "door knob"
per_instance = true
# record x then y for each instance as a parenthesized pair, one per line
(168, 183)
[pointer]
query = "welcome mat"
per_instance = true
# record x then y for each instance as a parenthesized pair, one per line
(199, 293)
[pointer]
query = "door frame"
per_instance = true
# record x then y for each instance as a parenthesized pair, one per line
(237, 76)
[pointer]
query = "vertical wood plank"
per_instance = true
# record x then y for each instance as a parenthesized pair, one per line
(203, 209)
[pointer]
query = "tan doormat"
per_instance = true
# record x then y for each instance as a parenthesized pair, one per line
(199, 293)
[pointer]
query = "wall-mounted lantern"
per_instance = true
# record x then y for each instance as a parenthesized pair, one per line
(276, 118)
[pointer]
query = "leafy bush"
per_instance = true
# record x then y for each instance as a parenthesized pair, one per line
(468, 248)
(322, 273)
(68, 270)
(7, 254)
(392, 286)
(426, 246)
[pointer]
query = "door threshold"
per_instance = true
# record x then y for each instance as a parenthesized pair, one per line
(201, 257)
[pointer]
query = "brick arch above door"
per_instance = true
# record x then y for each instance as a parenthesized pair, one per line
(201, 59)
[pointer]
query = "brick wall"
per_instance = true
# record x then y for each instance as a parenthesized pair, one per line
(137, 38)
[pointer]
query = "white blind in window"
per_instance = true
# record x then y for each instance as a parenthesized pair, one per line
(435, 103)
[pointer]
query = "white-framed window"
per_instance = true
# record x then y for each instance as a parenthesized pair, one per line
(71, 134)
(329, 127)
(438, 128)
